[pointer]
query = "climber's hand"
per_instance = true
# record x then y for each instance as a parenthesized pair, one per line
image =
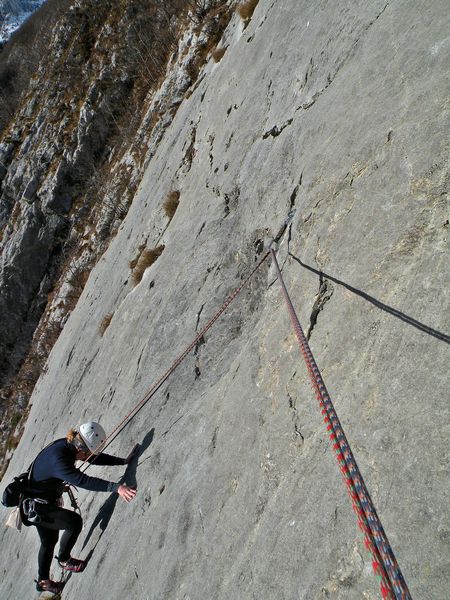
(126, 492)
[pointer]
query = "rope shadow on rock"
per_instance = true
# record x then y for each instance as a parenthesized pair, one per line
(107, 509)
(389, 309)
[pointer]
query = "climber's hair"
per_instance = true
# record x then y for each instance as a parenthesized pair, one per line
(74, 438)
(71, 435)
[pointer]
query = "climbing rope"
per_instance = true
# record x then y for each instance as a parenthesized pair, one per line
(392, 583)
(155, 387)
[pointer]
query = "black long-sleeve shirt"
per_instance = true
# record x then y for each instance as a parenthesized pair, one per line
(56, 464)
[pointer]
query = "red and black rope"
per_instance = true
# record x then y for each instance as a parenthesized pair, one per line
(155, 387)
(392, 584)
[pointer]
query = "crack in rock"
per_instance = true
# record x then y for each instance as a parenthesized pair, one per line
(275, 131)
(293, 408)
(198, 316)
(172, 425)
(201, 229)
(231, 200)
(214, 439)
(331, 78)
(290, 215)
(234, 106)
(199, 343)
(227, 145)
(70, 356)
(326, 290)
(294, 194)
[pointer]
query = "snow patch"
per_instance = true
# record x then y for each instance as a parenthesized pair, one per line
(14, 14)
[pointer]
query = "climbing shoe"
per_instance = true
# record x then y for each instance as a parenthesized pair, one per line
(47, 585)
(76, 565)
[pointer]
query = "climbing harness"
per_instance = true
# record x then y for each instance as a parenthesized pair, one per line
(30, 508)
(73, 500)
(392, 583)
(384, 563)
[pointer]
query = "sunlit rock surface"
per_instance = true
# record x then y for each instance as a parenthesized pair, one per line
(334, 116)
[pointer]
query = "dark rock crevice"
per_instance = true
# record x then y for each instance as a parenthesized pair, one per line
(294, 414)
(326, 290)
(276, 131)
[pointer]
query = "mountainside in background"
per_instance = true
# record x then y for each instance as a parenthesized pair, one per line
(71, 158)
(13, 13)
(154, 157)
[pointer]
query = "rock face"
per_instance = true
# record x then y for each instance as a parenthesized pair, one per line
(332, 116)
(45, 161)
(54, 156)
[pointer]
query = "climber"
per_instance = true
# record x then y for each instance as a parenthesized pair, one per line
(52, 471)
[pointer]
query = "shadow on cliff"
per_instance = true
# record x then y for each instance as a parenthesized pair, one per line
(389, 309)
(107, 509)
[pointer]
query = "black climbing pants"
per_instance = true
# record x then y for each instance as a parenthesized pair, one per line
(55, 519)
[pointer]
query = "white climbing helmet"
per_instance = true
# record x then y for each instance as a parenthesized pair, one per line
(93, 436)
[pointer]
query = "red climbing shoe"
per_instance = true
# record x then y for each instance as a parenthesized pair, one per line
(76, 565)
(47, 585)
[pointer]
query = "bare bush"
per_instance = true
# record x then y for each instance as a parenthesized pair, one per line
(214, 24)
(146, 259)
(133, 262)
(105, 323)
(247, 9)
(77, 279)
(171, 203)
(217, 54)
